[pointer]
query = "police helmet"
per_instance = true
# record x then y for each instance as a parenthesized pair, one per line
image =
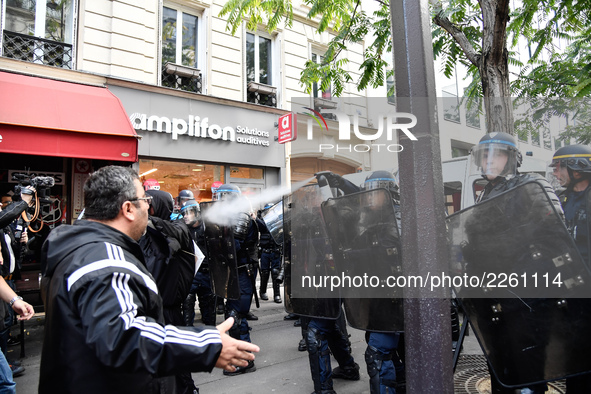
(573, 157)
(493, 145)
(191, 212)
(381, 179)
(185, 195)
(226, 192)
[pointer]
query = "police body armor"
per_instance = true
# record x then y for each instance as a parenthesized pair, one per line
(363, 232)
(307, 254)
(527, 293)
(221, 250)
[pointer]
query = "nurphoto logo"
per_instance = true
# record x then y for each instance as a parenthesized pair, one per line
(388, 124)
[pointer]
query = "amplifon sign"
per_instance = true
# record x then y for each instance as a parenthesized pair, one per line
(197, 127)
(287, 128)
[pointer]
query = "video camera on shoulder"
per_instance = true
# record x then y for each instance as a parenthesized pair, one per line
(42, 184)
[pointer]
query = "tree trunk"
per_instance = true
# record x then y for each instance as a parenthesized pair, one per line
(492, 61)
(494, 66)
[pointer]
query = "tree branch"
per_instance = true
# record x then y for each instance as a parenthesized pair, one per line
(459, 37)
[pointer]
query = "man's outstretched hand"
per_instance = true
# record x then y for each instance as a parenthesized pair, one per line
(234, 353)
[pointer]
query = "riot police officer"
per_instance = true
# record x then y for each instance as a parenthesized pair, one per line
(325, 336)
(572, 168)
(201, 286)
(270, 262)
(184, 196)
(246, 237)
(382, 356)
(497, 158)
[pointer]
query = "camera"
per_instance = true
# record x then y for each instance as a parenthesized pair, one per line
(41, 183)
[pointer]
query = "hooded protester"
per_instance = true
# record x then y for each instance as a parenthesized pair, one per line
(169, 252)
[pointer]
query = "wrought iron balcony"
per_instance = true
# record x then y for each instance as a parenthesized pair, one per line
(262, 94)
(36, 50)
(181, 77)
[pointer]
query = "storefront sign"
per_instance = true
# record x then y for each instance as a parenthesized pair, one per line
(58, 177)
(287, 128)
(198, 127)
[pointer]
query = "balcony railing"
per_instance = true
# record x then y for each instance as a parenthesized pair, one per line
(36, 50)
(181, 77)
(262, 94)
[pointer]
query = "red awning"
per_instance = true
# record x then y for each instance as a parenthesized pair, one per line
(51, 118)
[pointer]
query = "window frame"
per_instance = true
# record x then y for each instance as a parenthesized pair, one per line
(201, 42)
(40, 27)
(271, 73)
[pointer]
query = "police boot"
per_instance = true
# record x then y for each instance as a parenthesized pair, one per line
(319, 357)
(189, 309)
(349, 372)
(264, 281)
(219, 310)
(276, 290)
(242, 370)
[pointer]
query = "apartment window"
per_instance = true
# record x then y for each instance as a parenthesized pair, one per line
(473, 113)
(316, 91)
(179, 50)
(259, 70)
(390, 87)
(322, 98)
(547, 139)
(40, 31)
(451, 106)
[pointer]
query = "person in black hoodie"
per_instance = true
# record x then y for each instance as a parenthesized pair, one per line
(169, 252)
(104, 326)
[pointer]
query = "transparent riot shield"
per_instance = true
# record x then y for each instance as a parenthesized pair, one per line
(308, 256)
(523, 285)
(221, 253)
(366, 246)
(273, 218)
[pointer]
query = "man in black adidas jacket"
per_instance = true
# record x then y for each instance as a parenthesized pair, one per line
(104, 328)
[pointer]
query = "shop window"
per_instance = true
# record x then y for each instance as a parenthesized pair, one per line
(180, 50)
(40, 31)
(259, 70)
(246, 173)
(173, 176)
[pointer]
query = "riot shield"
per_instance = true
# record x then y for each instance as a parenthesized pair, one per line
(273, 218)
(308, 256)
(366, 246)
(523, 286)
(587, 250)
(221, 254)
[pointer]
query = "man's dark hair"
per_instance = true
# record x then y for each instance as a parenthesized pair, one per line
(106, 190)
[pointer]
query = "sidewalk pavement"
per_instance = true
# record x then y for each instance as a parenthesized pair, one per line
(280, 366)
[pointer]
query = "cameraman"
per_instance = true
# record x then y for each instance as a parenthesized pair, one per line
(15, 209)
(8, 258)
